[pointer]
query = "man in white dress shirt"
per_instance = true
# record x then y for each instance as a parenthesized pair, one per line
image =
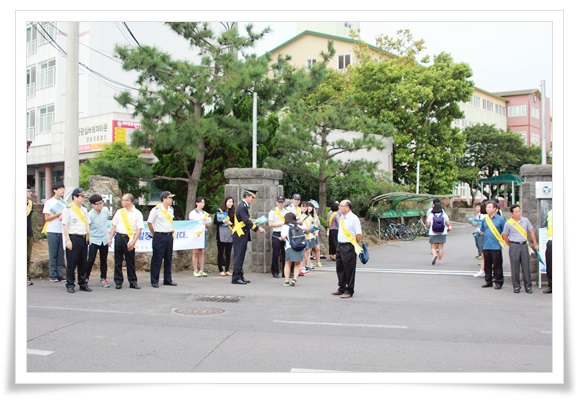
(160, 224)
(75, 226)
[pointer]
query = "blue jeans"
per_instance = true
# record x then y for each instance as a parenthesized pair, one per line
(55, 255)
(479, 243)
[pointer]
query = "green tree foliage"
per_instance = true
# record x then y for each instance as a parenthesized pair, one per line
(188, 109)
(120, 162)
(421, 99)
(491, 151)
(312, 140)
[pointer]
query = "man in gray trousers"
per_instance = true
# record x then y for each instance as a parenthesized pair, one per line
(517, 233)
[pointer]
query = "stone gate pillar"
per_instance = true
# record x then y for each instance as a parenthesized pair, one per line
(266, 182)
(531, 205)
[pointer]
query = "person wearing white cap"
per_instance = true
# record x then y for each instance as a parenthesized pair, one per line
(160, 223)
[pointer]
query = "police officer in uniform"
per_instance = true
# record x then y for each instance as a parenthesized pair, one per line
(241, 235)
(75, 222)
(160, 223)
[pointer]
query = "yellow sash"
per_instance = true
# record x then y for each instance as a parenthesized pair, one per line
(279, 214)
(331, 217)
(494, 230)
(350, 237)
(516, 225)
(78, 212)
(238, 225)
(126, 223)
(28, 207)
(307, 224)
(168, 217)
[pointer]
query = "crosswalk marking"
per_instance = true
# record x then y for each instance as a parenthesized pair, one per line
(340, 324)
(410, 271)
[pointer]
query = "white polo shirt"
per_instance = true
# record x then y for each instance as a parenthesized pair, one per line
(135, 220)
(159, 221)
(351, 223)
(73, 222)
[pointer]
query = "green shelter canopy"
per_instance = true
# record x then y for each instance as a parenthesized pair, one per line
(502, 179)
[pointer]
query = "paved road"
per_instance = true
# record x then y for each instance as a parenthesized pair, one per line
(406, 316)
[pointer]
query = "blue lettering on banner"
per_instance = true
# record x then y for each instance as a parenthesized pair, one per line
(181, 235)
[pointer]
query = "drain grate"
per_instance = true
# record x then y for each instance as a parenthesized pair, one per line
(198, 311)
(219, 298)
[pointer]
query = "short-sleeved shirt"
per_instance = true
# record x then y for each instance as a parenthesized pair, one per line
(135, 220)
(200, 216)
(99, 231)
(159, 220)
(277, 217)
(333, 225)
(513, 234)
(489, 240)
(430, 220)
(54, 226)
(75, 225)
(351, 223)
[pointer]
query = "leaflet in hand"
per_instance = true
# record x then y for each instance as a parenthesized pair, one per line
(262, 220)
(221, 215)
(58, 207)
(314, 228)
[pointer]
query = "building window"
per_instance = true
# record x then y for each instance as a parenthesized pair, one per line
(31, 40)
(517, 111)
(30, 124)
(499, 109)
(534, 139)
(30, 81)
(46, 32)
(45, 118)
(310, 62)
(347, 25)
(343, 61)
(475, 100)
(535, 112)
(46, 74)
(487, 105)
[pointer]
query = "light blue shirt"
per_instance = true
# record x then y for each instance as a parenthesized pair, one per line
(489, 240)
(99, 226)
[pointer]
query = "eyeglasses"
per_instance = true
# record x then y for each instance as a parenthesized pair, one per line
(99, 203)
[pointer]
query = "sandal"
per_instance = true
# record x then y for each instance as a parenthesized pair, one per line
(222, 273)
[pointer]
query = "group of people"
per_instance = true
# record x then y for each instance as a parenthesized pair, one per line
(77, 235)
(493, 233)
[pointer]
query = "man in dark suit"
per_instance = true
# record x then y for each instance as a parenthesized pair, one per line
(241, 235)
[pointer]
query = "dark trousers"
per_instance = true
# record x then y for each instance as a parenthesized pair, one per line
(77, 257)
(224, 252)
(345, 267)
(520, 256)
(493, 262)
(162, 253)
(332, 241)
(103, 251)
(479, 243)
(240, 245)
(278, 254)
(548, 256)
(122, 252)
(29, 243)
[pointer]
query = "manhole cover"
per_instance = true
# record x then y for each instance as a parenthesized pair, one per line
(219, 298)
(198, 311)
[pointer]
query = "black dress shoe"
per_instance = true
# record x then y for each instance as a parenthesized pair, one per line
(548, 290)
(276, 275)
(134, 286)
(487, 285)
(529, 290)
(170, 283)
(118, 286)
(497, 286)
(155, 285)
(517, 290)
(245, 280)
(86, 289)
(70, 289)
(239, 282)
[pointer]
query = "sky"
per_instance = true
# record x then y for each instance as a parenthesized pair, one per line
(503, 55)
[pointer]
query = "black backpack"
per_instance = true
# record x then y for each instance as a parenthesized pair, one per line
(296, 237)
(438, 223)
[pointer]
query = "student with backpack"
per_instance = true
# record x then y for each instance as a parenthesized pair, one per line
(439, 225)
(294, 244)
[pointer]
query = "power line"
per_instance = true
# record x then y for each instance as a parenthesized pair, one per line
(131, 33)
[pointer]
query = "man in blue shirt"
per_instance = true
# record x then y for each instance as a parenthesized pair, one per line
(493, 243)
(99, 237)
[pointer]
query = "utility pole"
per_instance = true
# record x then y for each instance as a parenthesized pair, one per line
(255, 131)
(71, 126)
(543, 120)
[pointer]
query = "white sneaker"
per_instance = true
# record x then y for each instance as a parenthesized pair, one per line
(479, 274)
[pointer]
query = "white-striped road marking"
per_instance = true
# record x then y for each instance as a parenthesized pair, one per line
(38, 352)
(313, 370)
(83, 310)
(409, 271)
(339, 324)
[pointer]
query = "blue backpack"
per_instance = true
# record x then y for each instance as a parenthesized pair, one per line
(438, 223)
